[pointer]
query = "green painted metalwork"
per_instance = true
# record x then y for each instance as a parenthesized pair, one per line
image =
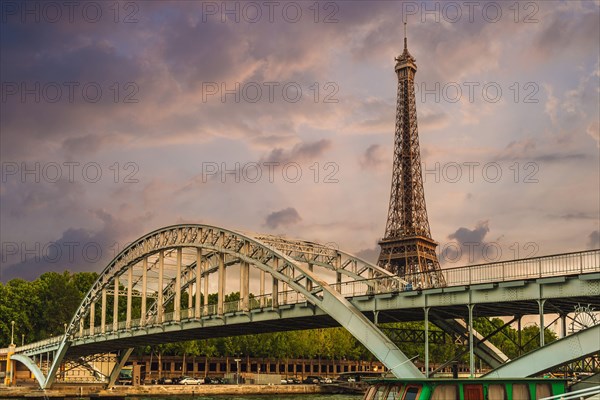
(456, 389)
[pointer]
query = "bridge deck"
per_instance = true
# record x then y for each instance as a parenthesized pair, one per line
(495, 300)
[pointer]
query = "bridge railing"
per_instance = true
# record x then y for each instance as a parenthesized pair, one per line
(53, 341)
(531, 268)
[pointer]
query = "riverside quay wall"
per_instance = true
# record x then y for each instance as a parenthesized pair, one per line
(122, 392)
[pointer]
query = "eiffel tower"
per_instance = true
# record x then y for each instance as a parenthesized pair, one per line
(407, 248)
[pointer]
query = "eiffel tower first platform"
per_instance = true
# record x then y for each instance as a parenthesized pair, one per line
(407, 248)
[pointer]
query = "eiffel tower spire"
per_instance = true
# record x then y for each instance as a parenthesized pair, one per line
(407, 248)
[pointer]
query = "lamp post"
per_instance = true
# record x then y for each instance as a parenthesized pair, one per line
(65, 325)
(22, 339)
(12, 332)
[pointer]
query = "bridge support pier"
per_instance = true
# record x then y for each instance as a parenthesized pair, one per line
(30, 364)
(9, 378)
(57, 360)
(121, 360)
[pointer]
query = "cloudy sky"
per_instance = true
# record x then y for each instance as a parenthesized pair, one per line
(279, 118)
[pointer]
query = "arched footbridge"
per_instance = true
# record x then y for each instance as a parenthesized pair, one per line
(174, 284)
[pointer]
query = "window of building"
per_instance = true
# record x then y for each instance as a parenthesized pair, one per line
(473, 392)
(496, 392)
(543, 390)
(412, 393)
(394, 393)
(380, 393)
(445, 392)
(521, 391)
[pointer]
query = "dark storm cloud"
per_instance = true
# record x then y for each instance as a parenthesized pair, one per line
(168, 55)
(63, 81)
(299, 153)
(22, 198)
(286, 217)
(466, 244)
(75, 250)
(466, 235)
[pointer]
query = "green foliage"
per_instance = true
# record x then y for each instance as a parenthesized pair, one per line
(42, 307)
(508, 338)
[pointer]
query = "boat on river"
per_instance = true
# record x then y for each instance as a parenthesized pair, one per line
(465, 389)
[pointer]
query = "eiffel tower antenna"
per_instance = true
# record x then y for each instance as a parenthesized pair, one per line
(407, 248)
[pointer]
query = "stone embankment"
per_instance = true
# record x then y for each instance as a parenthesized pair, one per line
(121, 392)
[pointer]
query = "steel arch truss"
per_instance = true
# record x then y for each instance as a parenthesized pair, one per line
(577, 346)
(180, 273)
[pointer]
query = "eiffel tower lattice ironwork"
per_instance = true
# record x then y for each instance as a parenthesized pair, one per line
(407, 248)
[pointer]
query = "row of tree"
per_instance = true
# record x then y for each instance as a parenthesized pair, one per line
(41, 308)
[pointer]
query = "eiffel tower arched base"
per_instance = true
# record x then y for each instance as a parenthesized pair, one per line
(413, 259)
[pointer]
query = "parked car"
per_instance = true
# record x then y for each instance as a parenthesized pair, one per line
(294, 381)
(214, 380)
(164, 381)
(311, 380)
(186, 380)
(325, 380)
